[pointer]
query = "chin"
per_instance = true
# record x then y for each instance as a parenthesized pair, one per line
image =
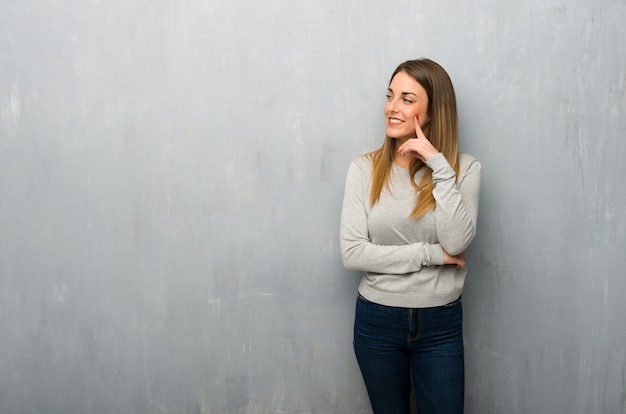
(398, 135)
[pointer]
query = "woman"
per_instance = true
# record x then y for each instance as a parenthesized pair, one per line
(409, 213)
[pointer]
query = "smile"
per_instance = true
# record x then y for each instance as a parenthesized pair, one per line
(395, 121)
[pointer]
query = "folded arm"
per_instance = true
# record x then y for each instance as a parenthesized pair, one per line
(359, 253)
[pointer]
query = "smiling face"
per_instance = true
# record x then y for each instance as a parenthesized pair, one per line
(406, 98)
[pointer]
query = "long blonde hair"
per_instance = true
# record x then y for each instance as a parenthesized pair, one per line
(442, 131)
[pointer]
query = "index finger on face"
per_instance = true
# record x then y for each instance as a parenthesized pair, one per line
(418, 128)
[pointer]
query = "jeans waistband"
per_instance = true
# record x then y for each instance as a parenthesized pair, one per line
(454, 302)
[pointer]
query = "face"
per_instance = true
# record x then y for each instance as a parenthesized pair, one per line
(405, 99)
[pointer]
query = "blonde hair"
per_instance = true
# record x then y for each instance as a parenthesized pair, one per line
(442, 131)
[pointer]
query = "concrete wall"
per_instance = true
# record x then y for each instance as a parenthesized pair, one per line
(171, 175)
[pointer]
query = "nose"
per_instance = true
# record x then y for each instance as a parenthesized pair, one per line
(390, 106)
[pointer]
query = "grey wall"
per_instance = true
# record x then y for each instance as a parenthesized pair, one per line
(171, 175)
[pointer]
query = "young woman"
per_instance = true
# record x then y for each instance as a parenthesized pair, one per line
(409, 213)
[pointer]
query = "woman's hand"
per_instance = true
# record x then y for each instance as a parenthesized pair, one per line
(458, 260)
(420, 146)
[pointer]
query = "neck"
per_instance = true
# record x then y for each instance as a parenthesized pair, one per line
(404, 162)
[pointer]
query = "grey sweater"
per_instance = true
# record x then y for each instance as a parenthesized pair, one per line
(402, 258)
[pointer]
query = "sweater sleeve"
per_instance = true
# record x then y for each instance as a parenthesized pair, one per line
(359, 253)
(457, 202)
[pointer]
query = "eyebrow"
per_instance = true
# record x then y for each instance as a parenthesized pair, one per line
(402, 93)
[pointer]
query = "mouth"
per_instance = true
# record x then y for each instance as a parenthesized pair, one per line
(394, 121)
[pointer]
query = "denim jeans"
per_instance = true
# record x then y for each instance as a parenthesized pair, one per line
(400, 350)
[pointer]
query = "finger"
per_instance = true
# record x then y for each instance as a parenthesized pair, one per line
(418, 128)
(402, 148)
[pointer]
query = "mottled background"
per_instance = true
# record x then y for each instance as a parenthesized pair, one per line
(171, 175)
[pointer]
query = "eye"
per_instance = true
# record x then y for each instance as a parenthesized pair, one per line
(408, 101)
(388, 96)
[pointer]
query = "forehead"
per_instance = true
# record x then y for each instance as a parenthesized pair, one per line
(403, 82)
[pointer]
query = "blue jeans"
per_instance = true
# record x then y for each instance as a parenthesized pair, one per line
(401, 349)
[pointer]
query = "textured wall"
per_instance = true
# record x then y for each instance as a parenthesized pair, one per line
(171, 175)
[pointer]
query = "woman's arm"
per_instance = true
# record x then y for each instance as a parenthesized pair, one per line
(457, 202)
(359, 253)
